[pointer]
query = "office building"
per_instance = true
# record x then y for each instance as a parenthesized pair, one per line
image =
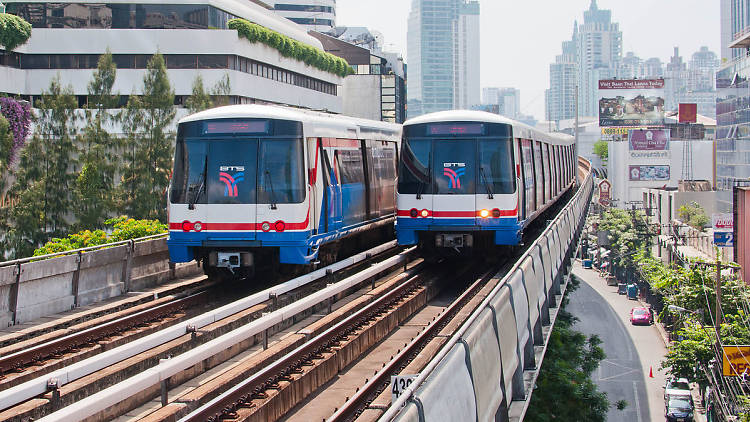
(377, 89)
(443, 51)
(314, 15)
(68, 37)
(508, 101)
(563, 77)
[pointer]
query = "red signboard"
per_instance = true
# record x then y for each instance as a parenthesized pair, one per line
(688, 113)
(648, 140)
(605, 192)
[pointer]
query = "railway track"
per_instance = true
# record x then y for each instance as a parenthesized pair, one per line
(45, 394)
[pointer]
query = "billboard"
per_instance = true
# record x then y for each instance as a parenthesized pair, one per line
(649, 140)
(723, 221)
(688, 113)
(631, 102)
(648, 173)
(735, 360)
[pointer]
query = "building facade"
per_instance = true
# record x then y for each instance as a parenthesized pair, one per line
(377, 89)
(443, 50)
(560, 98)
(68, 37)
(507, 100)
(314, 15)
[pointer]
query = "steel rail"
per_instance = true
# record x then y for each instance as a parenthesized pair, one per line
(354, 406)
(405, 395)
(18, 360)
(100, 401)
(279, 370)
(39, 385)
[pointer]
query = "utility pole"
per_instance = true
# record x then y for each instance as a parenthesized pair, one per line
(718, 297)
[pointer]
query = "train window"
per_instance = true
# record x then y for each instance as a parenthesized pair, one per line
(189, 164)
(351, 168)
(280, 176)
(231, 171)
(496, 165)
(382, 166)
(547, 173)
(455, 167)
(528, 176)
(539, 172)
(414, 167)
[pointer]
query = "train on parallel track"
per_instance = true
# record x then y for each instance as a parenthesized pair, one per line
(257, 185)
(471, 180)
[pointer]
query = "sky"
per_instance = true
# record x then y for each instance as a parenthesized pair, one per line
(520, 39)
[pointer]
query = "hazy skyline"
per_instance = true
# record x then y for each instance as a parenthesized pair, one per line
(538, 27)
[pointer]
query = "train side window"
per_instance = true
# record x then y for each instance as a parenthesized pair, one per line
(351, 167)
(496, 163)
(539, 172)
(414, 167)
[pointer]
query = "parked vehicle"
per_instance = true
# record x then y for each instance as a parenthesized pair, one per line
(679, 409)
(641, 316)
(676, 386)
(632, 292)
(622, 288)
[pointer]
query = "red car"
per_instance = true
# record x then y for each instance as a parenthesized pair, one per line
(641, 316)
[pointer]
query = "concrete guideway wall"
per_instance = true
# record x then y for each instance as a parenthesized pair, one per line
(32, 289)
(502, 343)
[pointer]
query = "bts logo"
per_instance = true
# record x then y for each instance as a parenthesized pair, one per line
(231, 182)
(454, 175)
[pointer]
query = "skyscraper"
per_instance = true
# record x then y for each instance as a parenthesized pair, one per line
(599, 53)
(443, 50)
(561, 96)
(316, 15)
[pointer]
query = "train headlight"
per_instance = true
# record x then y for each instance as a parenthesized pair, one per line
(413, 213)
(279, 226)
(484, 213)
(197, 226)
(425, 213)
(496, 213)
(266, 226)
(187, 226)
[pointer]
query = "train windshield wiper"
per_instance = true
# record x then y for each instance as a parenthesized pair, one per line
(273, 193)
(201, 187)
(422, 185)
(490, 195)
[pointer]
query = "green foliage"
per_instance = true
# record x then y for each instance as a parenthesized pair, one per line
(693, 215)
(95, 182)
(44, 181)
(629, 233)
(14, 31)
(220, 91)
(201, 100)
(124, 229)
(148, 153)
(6, 147)
(601, 148)
(289, 47)
(565, 390)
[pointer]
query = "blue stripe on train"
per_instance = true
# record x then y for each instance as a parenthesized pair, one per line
(507, 230)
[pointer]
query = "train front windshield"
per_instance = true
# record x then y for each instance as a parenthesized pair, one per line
(238, 171)
(461, 166)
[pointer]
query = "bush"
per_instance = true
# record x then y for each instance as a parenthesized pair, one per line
(289, 47)
(14, 31)
(124, 229)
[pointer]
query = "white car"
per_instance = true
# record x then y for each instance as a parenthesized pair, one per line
(677, 387)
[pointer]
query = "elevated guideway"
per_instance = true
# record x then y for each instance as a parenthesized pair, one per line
(487, 369)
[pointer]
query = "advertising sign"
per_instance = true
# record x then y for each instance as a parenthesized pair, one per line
(605, 192)
(631, 102)
(648, 173)
(724, 239)
(735, 360)
(649, 140)
(723, 221)
(688, 113)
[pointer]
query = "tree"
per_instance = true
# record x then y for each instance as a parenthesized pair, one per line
(14, 31)
(99, 159)
(693, 215)
(220, 91)
(200, 100)
(564, 389)
(629, 233)
(149, 145)
(601, 148)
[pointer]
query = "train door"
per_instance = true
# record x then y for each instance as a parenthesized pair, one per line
(521, 192)
(313, 173)
(333, 216)
(455, 172)
(539, 173)
(527, 168)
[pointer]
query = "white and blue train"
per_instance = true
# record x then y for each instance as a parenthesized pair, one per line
(470, 179)
(255, 185)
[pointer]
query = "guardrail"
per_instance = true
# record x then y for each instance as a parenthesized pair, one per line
(38, 286)
(504, 340)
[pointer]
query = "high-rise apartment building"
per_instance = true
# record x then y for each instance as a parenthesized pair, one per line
(733, 106)
(443, 50)
(726, 30)
(563, 76)
(508, 101)
(599, 53)
(316, 15)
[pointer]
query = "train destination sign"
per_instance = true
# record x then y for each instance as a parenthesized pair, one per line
(456, 129)
(233, 126)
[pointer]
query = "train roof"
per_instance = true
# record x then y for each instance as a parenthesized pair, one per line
(316, 124)
(519, 129)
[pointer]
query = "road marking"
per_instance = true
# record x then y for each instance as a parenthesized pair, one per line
(637, 405)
